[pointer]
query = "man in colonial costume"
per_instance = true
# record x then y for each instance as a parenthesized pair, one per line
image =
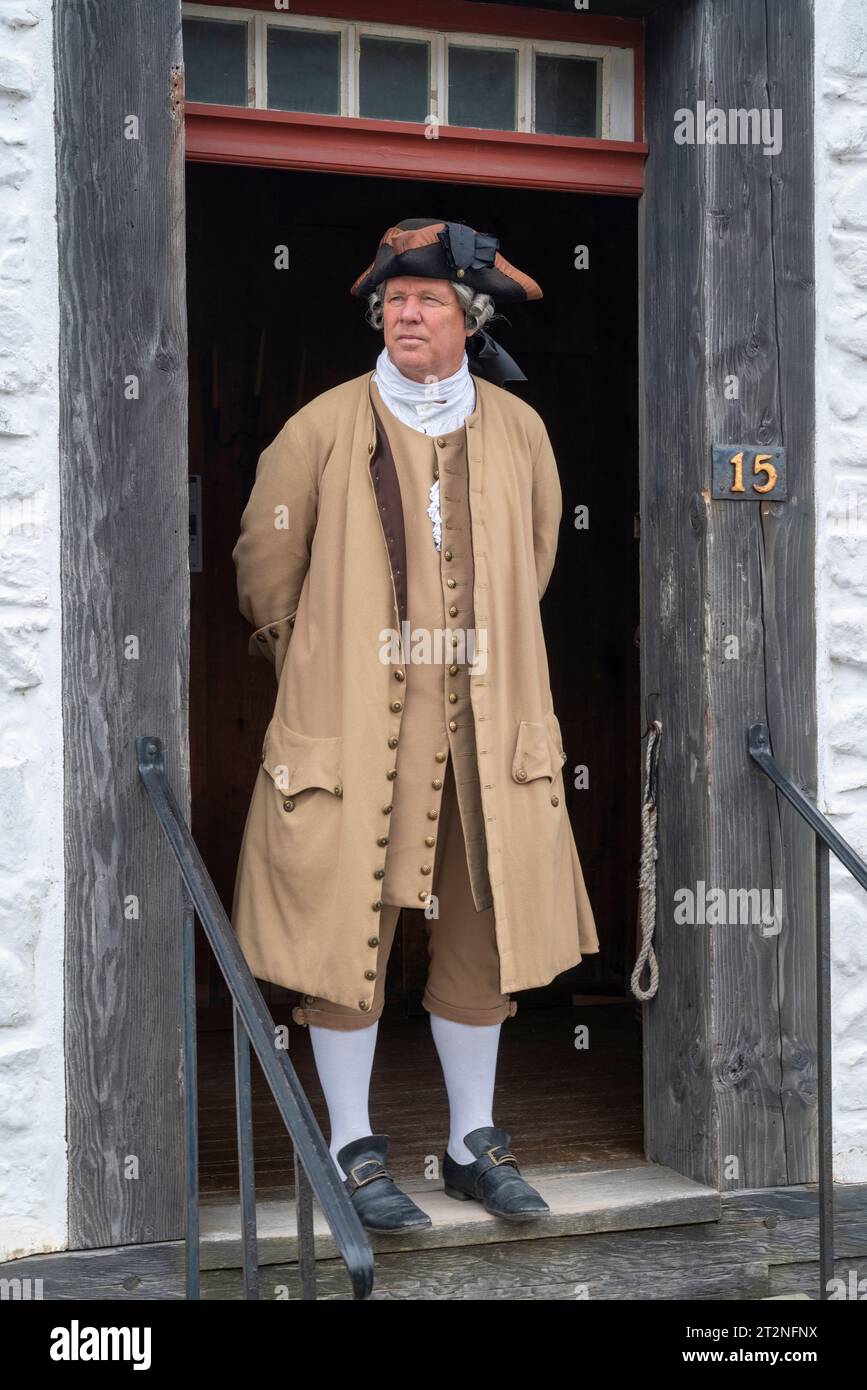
(399, 536)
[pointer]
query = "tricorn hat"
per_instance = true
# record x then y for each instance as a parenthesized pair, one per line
(433, 250)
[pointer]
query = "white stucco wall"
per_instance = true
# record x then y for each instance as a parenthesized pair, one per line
(841, 535)
(32, 1087)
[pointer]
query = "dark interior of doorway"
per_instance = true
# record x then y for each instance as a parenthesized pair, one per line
(264, 341)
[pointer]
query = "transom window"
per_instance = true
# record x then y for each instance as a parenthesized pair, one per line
(394, 73)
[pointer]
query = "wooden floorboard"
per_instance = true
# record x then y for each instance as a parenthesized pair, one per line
(765, 1244)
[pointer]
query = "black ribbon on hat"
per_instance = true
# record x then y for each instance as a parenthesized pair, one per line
(466, 249)
(487, 359)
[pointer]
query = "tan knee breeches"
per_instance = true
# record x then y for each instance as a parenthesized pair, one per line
(463, 981)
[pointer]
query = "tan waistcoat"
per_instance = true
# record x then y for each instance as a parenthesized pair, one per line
(437, 717)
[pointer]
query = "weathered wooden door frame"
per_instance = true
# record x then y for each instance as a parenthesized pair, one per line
(726, 288)
(728, 639)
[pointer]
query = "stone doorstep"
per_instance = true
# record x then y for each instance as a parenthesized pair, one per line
(607, 1199)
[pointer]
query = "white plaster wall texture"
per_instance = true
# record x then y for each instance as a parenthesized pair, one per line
(33, 1160)
(841, 535)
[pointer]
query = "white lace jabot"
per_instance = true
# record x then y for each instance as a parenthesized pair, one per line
(431, 407)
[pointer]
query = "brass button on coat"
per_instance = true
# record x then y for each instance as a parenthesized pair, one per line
(521, 774)
(452, 698)
(399, 676)
(364, 1006)
(338, 790)
(441, 443)
(436, 783)
(397, 706)
(453, 724)
(382, 841)
(392, 742)
(441, 757)
(453, 670)
(391, 774)
(373, 941)
(386, 810)
(429, 841)
(273, 632)
(447, 554)
(309, 999)
(425, 868)
(379, 873)
(377, 905)
(452, 609)
(370, 974)
(555, 801)
(288, 804)
(432, 815)
(423, 895)
(452, 583)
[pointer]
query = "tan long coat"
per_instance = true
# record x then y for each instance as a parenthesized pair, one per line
(321, 577)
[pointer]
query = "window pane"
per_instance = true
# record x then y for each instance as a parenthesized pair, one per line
(482, 87)
(303, 70)
(215, 61)
(394, 80)
(566, 95)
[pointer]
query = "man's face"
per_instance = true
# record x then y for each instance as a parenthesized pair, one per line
(424, 326)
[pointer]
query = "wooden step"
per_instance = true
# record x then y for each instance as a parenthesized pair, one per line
(620, 1198)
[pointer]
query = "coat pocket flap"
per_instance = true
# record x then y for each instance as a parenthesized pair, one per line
(294, 761)
(538, 750)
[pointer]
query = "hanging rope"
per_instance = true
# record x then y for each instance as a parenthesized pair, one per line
(647, 874)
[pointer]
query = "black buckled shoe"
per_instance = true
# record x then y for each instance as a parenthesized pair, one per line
(376, 1197)
(494, 1178)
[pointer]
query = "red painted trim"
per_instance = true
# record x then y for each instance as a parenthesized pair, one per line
(464, 17)
(392, 149)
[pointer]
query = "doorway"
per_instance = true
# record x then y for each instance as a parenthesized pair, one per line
(270, 258)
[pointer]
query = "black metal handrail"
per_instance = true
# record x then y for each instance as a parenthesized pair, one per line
(827, 838)
(315, 1171)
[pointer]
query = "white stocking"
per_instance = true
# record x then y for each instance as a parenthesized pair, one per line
(344, 1062)
(468, 1056)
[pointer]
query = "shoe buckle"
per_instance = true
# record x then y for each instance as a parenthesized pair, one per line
(506, 1158)
(380, 1173)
